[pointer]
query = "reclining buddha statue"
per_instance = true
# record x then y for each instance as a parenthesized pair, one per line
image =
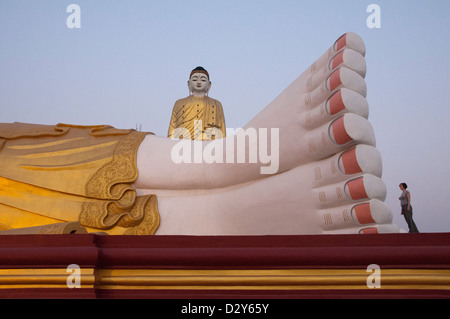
(121, 181)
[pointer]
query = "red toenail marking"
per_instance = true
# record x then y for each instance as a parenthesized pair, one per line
(356, 189)
(370, 230)
(339, 132)
(338, 60)
(335, 103)
(363, 214)
(350, 162)
(335, 79)
(341, 42)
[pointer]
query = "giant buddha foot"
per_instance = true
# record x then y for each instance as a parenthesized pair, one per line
(327, 175)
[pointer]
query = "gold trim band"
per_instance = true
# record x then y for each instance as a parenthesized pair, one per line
(44, 278)
(268, 279)
(273, 279)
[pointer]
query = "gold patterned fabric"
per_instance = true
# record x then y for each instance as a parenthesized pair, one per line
(197, 115)
(51, 174)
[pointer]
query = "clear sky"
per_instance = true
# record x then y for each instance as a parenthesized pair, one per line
(130, 61)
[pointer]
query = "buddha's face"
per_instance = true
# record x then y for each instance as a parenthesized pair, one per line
(199, 83)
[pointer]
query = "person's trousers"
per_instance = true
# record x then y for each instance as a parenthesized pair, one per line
(409, 219)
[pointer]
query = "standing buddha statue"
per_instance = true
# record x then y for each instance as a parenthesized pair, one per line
(197, 117)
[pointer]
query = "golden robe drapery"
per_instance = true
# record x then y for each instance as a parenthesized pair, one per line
(51, 174)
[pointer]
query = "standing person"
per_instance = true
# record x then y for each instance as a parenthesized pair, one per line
(407, 212)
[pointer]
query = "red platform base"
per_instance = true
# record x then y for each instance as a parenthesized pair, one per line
(231, 267)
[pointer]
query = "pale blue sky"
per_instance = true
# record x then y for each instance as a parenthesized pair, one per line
(129, 62)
